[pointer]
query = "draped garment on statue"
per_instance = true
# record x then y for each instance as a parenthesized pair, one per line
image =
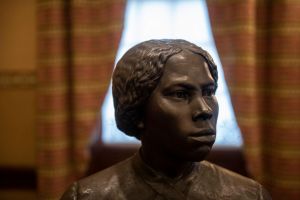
(132, 179)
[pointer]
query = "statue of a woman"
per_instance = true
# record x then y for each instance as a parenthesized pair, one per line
(164, 95)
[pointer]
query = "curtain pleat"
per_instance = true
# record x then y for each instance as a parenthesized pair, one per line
(259, 47)
(77, 44)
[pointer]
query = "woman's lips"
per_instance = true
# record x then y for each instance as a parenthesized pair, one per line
(204, 138)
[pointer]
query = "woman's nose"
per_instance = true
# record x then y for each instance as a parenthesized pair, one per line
(201, 110)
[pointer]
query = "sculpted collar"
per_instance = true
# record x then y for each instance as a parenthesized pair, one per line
(165, 186)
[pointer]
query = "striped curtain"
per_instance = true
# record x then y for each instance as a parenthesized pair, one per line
(259, 46)
(77, 43)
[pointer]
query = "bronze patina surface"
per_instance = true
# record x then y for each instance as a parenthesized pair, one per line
(164, 95)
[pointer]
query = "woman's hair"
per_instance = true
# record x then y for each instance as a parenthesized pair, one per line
(137, 74)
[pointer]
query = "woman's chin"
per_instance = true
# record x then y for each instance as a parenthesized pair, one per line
(199, 154)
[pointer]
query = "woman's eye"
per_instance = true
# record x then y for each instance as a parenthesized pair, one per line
(208, 92)
(181, 95)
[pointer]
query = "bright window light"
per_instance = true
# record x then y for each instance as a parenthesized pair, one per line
(172, 19)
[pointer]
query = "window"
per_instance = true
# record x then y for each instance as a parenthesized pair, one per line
(160, 19)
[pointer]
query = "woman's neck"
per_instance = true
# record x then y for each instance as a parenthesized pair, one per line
(165, 164)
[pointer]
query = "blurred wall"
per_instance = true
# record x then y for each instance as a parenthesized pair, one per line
(17, 90)
(17, 82)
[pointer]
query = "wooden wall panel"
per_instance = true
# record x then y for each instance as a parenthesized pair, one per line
(17, 83)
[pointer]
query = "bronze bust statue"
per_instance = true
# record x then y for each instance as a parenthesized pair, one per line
(164, 95)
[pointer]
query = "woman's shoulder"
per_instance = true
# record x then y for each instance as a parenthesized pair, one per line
(229, 182)
(101, 184)
(225, 174)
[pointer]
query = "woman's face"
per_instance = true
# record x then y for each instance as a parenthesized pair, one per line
(181, 113)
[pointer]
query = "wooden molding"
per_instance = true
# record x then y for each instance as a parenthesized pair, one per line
(17, 79)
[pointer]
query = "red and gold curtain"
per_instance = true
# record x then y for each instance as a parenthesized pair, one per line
(259, 47)
(77, 44)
